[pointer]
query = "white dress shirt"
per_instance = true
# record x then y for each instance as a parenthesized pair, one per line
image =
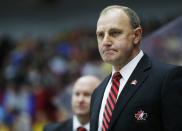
(76, 124)
(126, 71)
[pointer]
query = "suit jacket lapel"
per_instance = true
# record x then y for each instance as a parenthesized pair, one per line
(140, 74)
(97, 102)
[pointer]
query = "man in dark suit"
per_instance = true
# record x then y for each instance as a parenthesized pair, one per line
(146, 95)
(81, 96)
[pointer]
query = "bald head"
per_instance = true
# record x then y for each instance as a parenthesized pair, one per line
(82, 91)
(90, 82)
(134, 19)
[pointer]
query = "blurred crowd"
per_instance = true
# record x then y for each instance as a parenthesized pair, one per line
(165, 44)
(36, 76)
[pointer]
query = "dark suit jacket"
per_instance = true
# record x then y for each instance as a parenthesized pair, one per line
(65, 126)
(157, 94)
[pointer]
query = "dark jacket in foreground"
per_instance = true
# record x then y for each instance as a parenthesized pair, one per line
(153, 103)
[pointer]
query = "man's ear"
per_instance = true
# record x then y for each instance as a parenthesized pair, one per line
(137, 35)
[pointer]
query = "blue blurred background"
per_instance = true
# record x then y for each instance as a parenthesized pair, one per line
(45, 45)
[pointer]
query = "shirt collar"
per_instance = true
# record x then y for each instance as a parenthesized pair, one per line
(128, 68)
(76, 124)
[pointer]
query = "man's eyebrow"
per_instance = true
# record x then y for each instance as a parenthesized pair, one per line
(113, 28)
(98, 31)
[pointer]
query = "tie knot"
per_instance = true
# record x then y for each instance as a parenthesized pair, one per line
(116, 76)
(81, 129)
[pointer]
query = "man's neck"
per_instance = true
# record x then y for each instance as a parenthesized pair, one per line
(83, 119)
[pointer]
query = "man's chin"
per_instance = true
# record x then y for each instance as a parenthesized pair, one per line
(81, 113)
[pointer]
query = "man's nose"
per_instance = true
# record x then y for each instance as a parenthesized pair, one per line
(80, 98)
(106, 40)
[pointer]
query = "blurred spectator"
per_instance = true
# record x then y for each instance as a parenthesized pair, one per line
(80, 103)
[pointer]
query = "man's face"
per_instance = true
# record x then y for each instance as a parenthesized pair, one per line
(115, 38)
(82, 92)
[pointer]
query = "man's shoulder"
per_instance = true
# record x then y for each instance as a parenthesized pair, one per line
(58, 126)
(164, 66)
(163, 70)
(52, 126)
(159, 65)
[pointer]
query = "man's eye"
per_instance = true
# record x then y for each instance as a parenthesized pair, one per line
(77, 93)
(115, 33)
(100, 35)
(87, 94)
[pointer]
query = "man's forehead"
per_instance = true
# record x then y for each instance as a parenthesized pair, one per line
(108, 28)
(83, 88)
(113, 22)
(113, 15)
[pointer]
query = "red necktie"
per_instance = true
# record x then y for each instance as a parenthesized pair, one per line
(111, 101)
(81, 129)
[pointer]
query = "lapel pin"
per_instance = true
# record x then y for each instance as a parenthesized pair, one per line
(141, 115)
(134, 82)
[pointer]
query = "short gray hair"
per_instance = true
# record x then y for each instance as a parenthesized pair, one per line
(134, 18)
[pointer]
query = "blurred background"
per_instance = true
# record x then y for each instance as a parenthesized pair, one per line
(45, 45)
